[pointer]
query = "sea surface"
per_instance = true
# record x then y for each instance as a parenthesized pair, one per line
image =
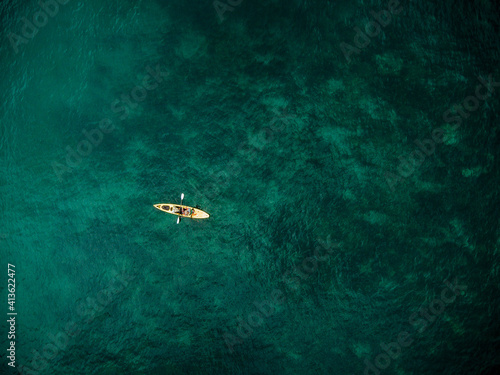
(346, 151)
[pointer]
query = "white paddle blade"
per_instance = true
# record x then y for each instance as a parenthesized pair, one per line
(178, 220)
(182, 196)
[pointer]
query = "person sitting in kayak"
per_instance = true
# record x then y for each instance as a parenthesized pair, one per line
(186, 211)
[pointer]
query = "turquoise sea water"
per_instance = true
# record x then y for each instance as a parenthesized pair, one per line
(354, 223)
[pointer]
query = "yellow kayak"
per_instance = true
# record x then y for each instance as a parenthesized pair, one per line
(182, 211)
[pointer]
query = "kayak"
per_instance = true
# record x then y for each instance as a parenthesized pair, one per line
(182, 211)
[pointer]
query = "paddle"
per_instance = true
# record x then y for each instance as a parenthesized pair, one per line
(178, 217)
